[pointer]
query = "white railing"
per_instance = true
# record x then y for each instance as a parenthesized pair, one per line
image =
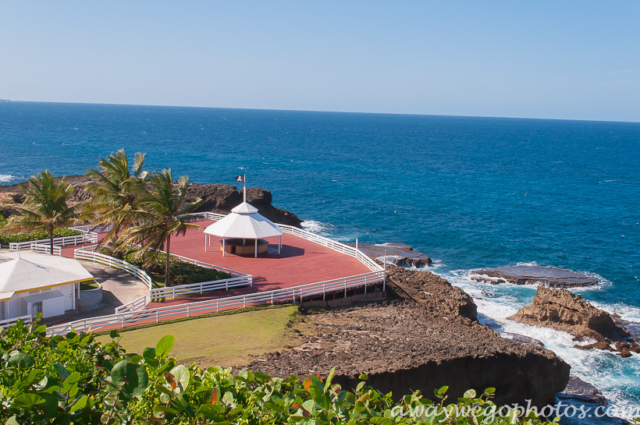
(92, 229)
(88, 253)
(46, 249)
(238, 280)
(207, 215)
(336, 246)
(62, 241)
(200, 288)
(135, 305)
(294, 294)
(234, 273)
(8, 322)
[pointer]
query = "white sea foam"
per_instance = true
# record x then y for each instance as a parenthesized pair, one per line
(316, 227)
(6, 178)
(614, 376)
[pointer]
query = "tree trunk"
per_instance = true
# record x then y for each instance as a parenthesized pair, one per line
(167, 277)
(51, 240)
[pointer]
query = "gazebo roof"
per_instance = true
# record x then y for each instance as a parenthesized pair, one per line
(244, 222)
(28, 271)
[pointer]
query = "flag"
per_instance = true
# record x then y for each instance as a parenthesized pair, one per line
(240, 179)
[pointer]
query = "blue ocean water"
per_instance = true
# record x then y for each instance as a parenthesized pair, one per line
(470, 192)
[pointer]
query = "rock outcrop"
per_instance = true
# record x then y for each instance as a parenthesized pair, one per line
(397, 253)
(562, 310)
(433, 293)
(522, 275)
(220, 198)
(425, 337)
(581, 391)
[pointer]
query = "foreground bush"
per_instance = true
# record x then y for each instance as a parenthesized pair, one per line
(35, 236)
(74, 379)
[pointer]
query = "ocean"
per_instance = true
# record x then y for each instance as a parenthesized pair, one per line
(469, 192)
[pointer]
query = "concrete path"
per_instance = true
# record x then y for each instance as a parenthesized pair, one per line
(118, 288)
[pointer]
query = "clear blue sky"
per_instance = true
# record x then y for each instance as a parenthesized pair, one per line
(545, 59)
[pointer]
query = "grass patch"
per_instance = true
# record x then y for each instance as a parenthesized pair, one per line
(222, 340)
(84, 286)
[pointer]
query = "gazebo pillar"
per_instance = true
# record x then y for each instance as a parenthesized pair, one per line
(256, 248)
(223, 248)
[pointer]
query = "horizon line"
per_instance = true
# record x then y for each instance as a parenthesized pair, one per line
(320, 111)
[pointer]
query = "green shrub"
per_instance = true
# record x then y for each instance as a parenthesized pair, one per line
(182, 273)
(75, 379)
(3, 220)
(35, 236)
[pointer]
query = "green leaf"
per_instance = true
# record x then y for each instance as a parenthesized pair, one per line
(114, 334)
(149, 355)
(80, 404)
(327, 384)
(130, 378)
(470, 394)
(164, 346)
(181, 375)
(21, 360)
(29, 400)
(61, 371)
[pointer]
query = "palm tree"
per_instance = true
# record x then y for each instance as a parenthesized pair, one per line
(45, 206)
(162, 213)
(114, 190)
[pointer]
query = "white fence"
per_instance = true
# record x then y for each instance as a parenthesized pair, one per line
(238, 280)
(45, 249)
(135, 305)
(88, 253)
(6, 323)
(200, 288)
(295, 294)
(336, 246)
(63, 241)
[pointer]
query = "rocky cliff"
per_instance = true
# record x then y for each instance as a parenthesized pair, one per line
(220, 198)
(562, 310)
(425, 337)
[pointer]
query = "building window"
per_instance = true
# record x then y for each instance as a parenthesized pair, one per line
(36, 308)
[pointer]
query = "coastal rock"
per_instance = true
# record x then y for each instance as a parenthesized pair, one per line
(522, 275)
(398, 254)
(433, 293)
(581, 391)
(522, 339)
(561, 309)
(425, 337)
(219, 198)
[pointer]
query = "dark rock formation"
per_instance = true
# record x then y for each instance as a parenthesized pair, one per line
(521, 275)
(220, 198)
(522, 339)
(398, 254)
(432, 292)
(426, 337)
(578, 390)
(563, 310)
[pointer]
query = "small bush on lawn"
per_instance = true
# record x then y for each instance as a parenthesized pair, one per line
(3, 220)
(182, 273)
(75, 379)
(7, 238)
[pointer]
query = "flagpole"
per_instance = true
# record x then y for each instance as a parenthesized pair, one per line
(244, 180)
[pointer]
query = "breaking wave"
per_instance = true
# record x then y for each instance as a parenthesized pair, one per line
(6, 178)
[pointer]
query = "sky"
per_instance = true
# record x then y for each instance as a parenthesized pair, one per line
(539, 59)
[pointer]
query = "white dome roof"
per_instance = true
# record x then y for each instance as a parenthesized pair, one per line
(244, 222)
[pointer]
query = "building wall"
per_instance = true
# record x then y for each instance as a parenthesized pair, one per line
(51, 307)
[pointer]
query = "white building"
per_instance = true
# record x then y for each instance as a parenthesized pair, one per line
(33, 283)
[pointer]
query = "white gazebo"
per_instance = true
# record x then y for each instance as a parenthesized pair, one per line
(33, 283)
(244, 224)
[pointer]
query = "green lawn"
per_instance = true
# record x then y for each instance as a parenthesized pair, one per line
(88, 285)
(227, 340)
